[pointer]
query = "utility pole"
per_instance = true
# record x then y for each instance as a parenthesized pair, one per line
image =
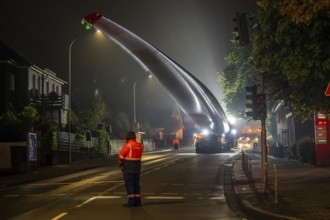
(264, 150)
(256, 101)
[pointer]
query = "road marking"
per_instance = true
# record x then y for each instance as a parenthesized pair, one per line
(97, 197)
(59, 216)
(217, 198)
(164, 197)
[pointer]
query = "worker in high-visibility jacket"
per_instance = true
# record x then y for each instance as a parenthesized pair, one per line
(176, 144)
(129, 160)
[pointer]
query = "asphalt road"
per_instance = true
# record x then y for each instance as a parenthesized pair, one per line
(182, 185)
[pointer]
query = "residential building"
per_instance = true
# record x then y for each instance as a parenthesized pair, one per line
(22, 83)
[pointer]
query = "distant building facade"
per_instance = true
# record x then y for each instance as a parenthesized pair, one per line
(288, 129)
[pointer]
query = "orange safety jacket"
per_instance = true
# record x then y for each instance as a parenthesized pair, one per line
(130, 156)
(175, 141)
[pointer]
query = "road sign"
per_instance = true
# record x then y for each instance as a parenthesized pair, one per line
(327, 92)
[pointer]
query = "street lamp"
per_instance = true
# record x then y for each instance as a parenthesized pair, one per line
(136, 128)
(70, 97)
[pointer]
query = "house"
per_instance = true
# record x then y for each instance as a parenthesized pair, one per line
(22, 83)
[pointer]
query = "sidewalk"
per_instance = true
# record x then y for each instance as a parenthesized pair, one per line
(54, 171)
(303, 190)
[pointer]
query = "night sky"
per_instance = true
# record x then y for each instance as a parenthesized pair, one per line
(194, 33)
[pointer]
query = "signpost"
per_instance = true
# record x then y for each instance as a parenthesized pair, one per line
(32, 146)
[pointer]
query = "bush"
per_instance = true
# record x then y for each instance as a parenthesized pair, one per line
(306, 150)
(291, 151)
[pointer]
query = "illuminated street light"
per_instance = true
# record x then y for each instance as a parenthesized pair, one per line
(136, 127)
(70, 96)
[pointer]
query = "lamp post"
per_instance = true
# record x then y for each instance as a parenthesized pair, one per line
(70, 95)
(70, 98)
(136, 127)
(69, 116)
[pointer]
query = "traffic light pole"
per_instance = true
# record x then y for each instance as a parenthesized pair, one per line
(264, 151)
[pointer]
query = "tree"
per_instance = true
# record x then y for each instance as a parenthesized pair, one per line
(292, 50)
(94, 115)
(299, 11)
(236, 76)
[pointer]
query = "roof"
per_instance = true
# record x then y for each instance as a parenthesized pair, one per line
(8, 53)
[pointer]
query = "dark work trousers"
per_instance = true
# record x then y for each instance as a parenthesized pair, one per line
(132, 183)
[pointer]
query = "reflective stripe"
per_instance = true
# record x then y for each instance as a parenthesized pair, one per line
(130, 150)
(122, 157)
(134, 196)
(132, 158)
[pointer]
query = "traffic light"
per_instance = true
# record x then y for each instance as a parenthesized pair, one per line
(251, 99)
(242, 28)
(261, 106)
(256, 102)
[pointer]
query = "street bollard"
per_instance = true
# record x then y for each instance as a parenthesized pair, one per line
(250, 169)
(275, 185)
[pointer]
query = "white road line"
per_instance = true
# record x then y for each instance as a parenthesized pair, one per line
(164, 197)
(217, 198)
(59, 216)
(97, 197)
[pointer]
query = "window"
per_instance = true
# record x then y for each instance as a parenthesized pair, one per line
(47, 88)
(39, 83)
(11, 82)
(34, 82)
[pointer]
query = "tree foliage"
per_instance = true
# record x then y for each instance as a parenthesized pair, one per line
(94, 115)
(14, 126)
(292, 49)
(236, 76)
(299, 11)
